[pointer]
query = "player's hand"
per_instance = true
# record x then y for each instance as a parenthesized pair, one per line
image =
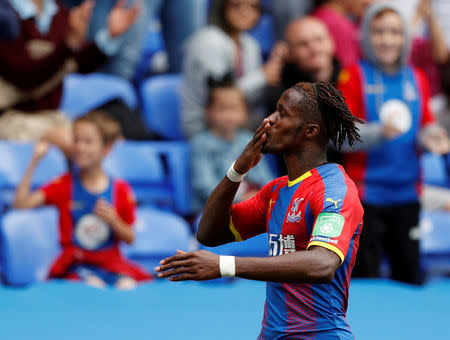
(105, 211)
(197, 265)
(79, 20)
(251, 155)
(40, 150)
(121, 18)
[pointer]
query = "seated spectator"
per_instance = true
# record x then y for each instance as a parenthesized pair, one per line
(215, 149)
(32, 67)
(225, 46)
(287, 11)
(124, 61)
(9, 23)
(393, 99)
(96, 212)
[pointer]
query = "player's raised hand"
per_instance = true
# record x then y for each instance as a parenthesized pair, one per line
(197, 265)
(40, 150)
(121, 18)
(251, 155)
(79, 20)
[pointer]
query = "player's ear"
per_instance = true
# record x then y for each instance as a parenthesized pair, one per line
(312, 130)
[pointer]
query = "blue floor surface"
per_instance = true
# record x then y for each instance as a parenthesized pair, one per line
(163, 310)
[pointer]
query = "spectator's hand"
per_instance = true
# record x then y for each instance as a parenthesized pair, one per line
(120, 19)
(105, 211)
(424, 10)
(274, 66)
(437, 142)
(390, 130)
(251, 155)
(40, 150)
(197, 265)
(79, 19)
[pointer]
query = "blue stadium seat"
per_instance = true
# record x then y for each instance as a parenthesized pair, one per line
(153, 48)
(256, 246)
(159, 172)
(435, 242)
(264, 33)
(434, 169)
(29, 245)
(15, 158)
(159, 234)
(161, 105)
(83, 93)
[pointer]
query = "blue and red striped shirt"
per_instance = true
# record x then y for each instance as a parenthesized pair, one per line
(320, 208)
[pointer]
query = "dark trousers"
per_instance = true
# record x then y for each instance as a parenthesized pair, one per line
(391, 231)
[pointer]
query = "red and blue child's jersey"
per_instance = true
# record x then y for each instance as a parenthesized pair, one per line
(85, 238)
(388, 173)
(320, 208)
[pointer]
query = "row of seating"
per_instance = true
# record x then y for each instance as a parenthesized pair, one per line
(29, 242)
(159, 171)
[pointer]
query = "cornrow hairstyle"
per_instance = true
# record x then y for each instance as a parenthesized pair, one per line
(339, 122)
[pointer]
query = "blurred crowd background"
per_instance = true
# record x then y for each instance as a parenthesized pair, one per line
(188, 81)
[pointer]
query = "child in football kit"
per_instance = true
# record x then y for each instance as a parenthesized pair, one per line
(96, 212)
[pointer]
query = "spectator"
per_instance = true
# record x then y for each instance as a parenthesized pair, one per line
(32, 68)
(223, 47)
(123, 62)
(96, 212)
(393, 99)
(428, 50)
(310, 56)
(335, 15)
(215, 149)
(9, 23)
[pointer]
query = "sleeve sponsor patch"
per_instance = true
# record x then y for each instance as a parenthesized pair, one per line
(328, 225)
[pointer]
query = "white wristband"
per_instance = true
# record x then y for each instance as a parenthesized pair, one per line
(227, 266)
(233, 175)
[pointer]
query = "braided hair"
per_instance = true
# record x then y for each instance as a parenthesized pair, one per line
(329, 102)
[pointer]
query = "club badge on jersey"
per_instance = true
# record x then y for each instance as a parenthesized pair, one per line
(294, 215)
(91, 232)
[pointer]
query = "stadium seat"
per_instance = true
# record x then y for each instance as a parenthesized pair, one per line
(255, 246)
(152, 54)
(434, 169)
(159, 172)
(264, 33)
(29, 245)
(16, 157)
(435, 242)
(159, 234)
(83, 93)
(160, 97)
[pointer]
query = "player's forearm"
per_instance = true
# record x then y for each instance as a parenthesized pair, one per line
(298, 267)
(23, 191)
(213, 228)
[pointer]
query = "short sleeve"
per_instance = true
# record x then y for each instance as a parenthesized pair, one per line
(349, 83)
(425, 94)
(337, 216)
(248, 218)
(57, 191)
(125, 202)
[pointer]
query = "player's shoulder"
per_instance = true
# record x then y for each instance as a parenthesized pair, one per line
(275, 183)
(332, 177)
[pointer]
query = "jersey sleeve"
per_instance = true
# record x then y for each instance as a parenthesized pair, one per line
(349, 83)
(125, 202)
(57, 191)
(337, 216)
(248, 218)
(425, 94)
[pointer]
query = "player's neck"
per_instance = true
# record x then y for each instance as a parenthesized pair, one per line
(301, 162)
(94, 179)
